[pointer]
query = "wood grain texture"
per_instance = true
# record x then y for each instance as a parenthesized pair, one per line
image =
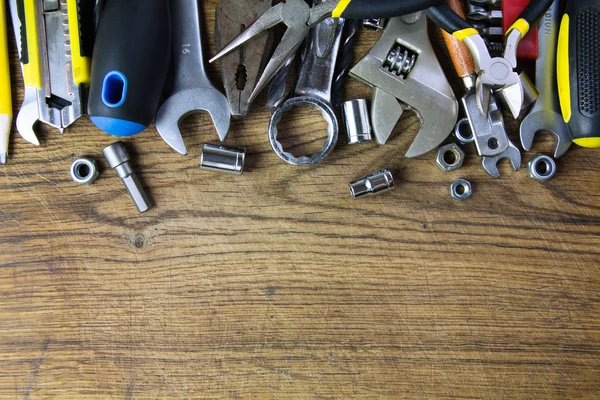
(276, 284)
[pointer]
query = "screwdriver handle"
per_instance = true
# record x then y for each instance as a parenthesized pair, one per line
(459, 52)
(130, 65)
(578, 70)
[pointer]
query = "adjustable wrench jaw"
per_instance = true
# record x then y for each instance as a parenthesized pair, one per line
(408, 76)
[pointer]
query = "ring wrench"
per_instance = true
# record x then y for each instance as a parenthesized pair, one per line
(192, 90)
(545, 114)
(313, 88)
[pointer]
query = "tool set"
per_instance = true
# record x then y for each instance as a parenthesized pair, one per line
(127, 63)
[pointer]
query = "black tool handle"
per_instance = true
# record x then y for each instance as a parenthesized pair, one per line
(447, 19)
(578, 69)
(130, 64)
(365, 9)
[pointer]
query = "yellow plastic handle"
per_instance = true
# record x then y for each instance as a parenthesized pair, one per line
(32, 70)
(5, 99)
(81, 65)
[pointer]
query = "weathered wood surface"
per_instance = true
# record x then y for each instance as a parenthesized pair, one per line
(276, 284)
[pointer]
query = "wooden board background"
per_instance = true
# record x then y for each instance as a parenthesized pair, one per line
(276, 284)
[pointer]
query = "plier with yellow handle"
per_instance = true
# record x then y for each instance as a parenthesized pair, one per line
(300, 17)
(493, 73)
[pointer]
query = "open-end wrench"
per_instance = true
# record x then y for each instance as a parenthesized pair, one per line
(511, 152)
(313, 88)
(405, 75)
(545, 114)
(192, 90)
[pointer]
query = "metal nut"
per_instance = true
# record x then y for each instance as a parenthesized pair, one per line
(541, 168)
(450, 157)
(461, 189)
(84, 171)
(462, 131)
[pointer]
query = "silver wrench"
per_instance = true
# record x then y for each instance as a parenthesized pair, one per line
(313, 88)
(511, 151)
(545, 114)
(192, 90)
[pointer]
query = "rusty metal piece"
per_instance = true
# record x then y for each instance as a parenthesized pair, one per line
(241, 67)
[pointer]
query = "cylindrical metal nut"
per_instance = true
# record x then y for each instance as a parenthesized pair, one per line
(356, 120)
(84, 171)
(222, 159)
(377, 182)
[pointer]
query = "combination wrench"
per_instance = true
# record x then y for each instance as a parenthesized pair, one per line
(313, 88)
(192, 90)
(545, 114)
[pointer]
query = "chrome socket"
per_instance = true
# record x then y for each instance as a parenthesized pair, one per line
(222, 159)
(357, 121)
(375, 183)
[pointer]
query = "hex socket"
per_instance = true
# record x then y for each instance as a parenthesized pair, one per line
(375, 183)
(118, 159)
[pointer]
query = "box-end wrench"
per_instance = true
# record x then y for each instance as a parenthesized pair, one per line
(405, 74)
(192, 90)
(545, 114)
(313, 88)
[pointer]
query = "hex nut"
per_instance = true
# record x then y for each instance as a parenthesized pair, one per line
(461, 189)
(462, 131)
(450, 157)
(84, 171)
(541, 168)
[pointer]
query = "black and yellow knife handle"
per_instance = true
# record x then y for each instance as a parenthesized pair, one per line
(30, 47)
(365, 9)
(578, 70)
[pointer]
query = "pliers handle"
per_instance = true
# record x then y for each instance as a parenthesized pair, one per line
(365, 9)
(448, 20)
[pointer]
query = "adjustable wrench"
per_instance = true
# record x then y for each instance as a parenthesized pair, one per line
(545, 114)
(405, 75)
(192, 90)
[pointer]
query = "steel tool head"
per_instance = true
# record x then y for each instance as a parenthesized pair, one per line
(402, 67)
(183, 103)
(298, 17)
(548, 121)
(511, 152)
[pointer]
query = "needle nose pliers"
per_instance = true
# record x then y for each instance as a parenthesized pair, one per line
(299, 18)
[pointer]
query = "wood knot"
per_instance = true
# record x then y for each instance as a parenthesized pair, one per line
(138, 240)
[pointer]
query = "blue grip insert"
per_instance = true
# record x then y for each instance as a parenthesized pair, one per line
(114, 89)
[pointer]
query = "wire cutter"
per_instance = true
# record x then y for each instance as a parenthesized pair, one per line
(496, 73)
(300, 17)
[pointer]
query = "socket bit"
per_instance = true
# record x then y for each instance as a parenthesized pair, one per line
(357, 121)
(118, 159)
(489, 31)
(222, 159)
(487, 3)
(493, 17)
(372, 184)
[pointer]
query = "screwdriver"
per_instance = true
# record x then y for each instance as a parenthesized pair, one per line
(5, 99)
(130, 64)
(578, 70)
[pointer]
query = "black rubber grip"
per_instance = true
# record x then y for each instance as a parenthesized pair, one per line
(584, 68)
(366, 9)
(535, 10)
(131, 59)
(447, 19)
